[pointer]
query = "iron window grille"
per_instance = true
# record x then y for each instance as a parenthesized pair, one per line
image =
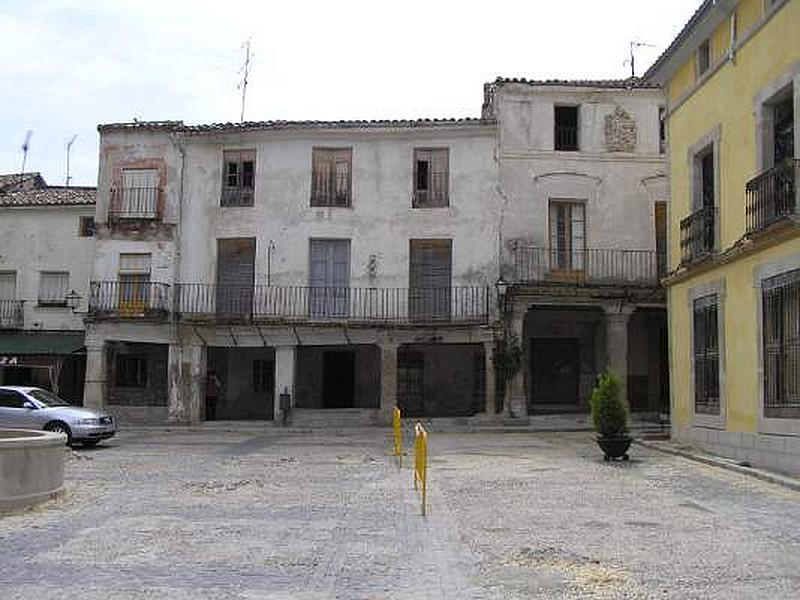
(781, 345)
(331, 177)
(238, 177)
(706, 355)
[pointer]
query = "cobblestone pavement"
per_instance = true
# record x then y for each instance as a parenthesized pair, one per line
(254, 513)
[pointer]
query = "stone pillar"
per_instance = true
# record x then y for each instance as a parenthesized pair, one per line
(186, 370)
(388, 380)
(617, 318)
(491, 391)
(94, 389)
(284, 377)
(516, 405)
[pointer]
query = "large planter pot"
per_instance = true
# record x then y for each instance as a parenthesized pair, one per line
(614, 447)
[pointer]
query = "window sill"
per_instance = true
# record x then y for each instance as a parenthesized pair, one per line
(45, 304)
(779, 426)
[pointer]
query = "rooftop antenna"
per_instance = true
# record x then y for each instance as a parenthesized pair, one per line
(245, 72)
(69, 147)
(632, 59)
(25, 145)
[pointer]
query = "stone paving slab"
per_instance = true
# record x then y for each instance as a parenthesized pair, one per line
(268, 514)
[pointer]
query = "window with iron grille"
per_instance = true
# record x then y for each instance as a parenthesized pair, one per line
(431, 177)
(53, 288)
(139, 198)
(86, 227)
(331, 176)
(706, 355)
(781, 345)
(239, 171)
(566, 128)
(131, 371)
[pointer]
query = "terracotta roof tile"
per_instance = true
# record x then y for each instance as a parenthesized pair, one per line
(629, 83)
(50, 196)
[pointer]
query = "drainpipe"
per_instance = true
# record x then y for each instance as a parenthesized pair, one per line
(177, 268)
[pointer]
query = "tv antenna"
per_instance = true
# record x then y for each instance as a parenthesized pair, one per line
(25, 146)
(245, 73)
(69, 147)
(632, 59)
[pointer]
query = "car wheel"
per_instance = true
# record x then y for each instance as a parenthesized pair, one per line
(59, 427)
(90, 443)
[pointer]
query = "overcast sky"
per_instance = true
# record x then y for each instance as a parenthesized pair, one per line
(68, 65)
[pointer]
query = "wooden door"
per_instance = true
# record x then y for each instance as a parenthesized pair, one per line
(661, 237)
(555, 371)
(329, 278)
(430, 279)
(236, 265)
(567, 240)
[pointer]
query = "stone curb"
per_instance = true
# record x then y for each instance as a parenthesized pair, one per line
(723, 463)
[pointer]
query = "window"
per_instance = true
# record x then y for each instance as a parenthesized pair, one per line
(703, 57)
(783, 133)
(139, 198)
(53, 288)
(8, 285)
(263, 376)
(781, 345)
(662, 129)
(131, 371)
(430, 177)
(331, 177)
(567, 236)
(329, 277)
(86, 227)
(706, 355)
(238, 177)
(11, 399)
(134, 283)
(566, 128)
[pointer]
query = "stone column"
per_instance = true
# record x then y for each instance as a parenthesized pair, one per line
(617, 318)
(284, 377)
(516, 405)
(388, 380)
(94, 389)
(186, 371)
(491, 391)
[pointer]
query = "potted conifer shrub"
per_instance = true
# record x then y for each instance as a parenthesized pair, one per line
(610, 416)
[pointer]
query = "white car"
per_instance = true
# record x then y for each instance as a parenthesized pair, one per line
(34, 408)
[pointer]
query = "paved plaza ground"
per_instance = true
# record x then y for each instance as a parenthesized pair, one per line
(259, 513)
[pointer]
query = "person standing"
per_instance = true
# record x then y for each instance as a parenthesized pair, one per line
(213, 387)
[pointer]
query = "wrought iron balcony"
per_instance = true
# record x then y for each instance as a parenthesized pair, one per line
(129, 299)
(134, 203)
(589, 267)
(11, 314)
(698, 234)
(772, 195)
(304, 304)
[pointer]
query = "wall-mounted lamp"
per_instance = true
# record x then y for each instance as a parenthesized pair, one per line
(73, 300)
(501, 287)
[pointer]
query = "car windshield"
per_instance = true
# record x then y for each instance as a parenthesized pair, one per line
(47, 398)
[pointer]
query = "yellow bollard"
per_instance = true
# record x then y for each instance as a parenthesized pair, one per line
(397, 422)
(421, 463)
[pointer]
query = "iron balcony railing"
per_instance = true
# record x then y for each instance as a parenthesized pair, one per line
(772, 195)
(436, 195)
(454, 305)
(130, 299)
(588, 267)
(11, 314)
(698, 234)
(134, 203)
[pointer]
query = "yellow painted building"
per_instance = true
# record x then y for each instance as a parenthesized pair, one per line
(732, 79)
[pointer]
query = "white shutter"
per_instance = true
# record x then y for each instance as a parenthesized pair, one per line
(134, 264)
(53, 286)
(578, 235)
(8, 285)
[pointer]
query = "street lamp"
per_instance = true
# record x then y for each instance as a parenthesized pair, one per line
(501, 287)
(73, 300)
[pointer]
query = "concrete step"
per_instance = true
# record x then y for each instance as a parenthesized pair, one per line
(335, 417)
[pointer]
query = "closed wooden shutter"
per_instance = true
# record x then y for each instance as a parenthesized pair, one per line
(8, 285)
(331, 176)
(329, 278)
(236, 264)
(430, 275)
(139, 193)
(661, 236)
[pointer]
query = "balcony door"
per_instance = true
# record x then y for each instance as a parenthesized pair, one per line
(236, 260)
(139, 193)
(567, 239)
(134, 284)
(329, 278)
(430, 275)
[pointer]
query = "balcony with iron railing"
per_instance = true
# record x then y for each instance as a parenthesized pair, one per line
(305, 304)
(134, 203)
(698, 235)
(129, 299)
(588, 267)
(11, 314)
(772, 195)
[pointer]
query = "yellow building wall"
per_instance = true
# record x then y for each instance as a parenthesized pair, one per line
(726, 100)
(748, 13)
(741, 340)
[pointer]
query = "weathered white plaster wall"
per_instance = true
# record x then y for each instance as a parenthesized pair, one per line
(45, 238)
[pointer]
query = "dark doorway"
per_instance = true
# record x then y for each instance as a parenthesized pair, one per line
(339, 379)
(555, 372)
